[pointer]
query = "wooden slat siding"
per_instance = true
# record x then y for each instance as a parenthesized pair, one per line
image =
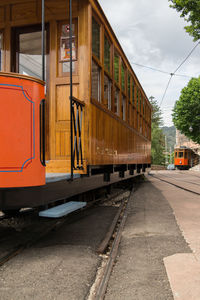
(2, 15)
(23, 11)
(119, 137)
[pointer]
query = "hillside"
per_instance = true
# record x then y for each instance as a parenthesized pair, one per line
(170, 133)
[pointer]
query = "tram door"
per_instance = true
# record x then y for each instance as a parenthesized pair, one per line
(26, 59)
(27, 52)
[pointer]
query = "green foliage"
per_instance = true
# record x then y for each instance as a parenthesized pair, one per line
(190, 11)
(170, 133)
(156, 113)
(157, 137)
(186, 113)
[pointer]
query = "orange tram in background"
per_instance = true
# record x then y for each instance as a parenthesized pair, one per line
(184, 158)
(73, 115)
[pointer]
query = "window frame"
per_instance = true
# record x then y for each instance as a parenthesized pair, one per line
(115, 81)
(60, 63)
(108, 105)
(108, 72)
(100, 37)
(97, 61)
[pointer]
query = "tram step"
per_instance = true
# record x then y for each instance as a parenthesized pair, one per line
(62, 210)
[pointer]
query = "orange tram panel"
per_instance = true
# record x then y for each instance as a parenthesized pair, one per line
(111, 112)
(20, 99)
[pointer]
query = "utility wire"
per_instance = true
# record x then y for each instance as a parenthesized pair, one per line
(187, 57)
(166, 89)
(158, 70)
(172, 74)
(154, 69)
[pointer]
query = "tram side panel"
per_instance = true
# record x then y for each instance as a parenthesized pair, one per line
(20, 136)
(112, 142)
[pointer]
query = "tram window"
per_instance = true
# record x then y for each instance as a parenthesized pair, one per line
(65, 47)
(133, 116)
(123, 108)
(116, 101)
(30, 58)
(107, 91)
(186, 154)
(66, 67)
(96, 82)
(1, 51)
(133, 92)
(129, 113)
(95, 38)
(180, 154)
(129, 86)
(175, 154)
(116, 67)
(137, 98)
(123, 77)
(107, 49)
(143, 107)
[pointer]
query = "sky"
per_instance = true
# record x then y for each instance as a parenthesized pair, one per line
(152, 34)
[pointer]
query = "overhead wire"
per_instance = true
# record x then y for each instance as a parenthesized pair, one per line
(161, 71)
(187, 57)
(168, 83)
(171, 74)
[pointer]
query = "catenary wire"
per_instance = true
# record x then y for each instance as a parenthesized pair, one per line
(187, 57)
(168, 83)
(172, 74)
(161, 71)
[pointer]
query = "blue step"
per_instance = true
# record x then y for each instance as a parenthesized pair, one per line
(62, 210)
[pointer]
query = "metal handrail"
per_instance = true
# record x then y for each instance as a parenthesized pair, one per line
(77, 153)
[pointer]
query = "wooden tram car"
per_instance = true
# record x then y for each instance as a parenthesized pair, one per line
(184, 158)
(108, 112)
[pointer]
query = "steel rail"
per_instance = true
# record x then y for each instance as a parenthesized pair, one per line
(101, 288)
(182, 180)
(71, 218)
(176, 185)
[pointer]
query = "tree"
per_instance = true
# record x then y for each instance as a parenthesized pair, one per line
(186, 112)
(157, 137)
(190, 10)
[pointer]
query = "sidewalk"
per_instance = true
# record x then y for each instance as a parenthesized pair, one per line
(155, 262)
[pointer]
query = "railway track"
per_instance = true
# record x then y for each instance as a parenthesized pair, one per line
(109, 250)
(174, 184)
(118, 198)
(181, 179)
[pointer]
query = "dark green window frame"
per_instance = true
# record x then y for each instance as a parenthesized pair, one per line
(123, 77)
(96, 37)
(129, 86)
(107, 53)
(116, 67)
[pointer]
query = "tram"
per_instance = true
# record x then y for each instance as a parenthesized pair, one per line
(184, 158)
(73, 114)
